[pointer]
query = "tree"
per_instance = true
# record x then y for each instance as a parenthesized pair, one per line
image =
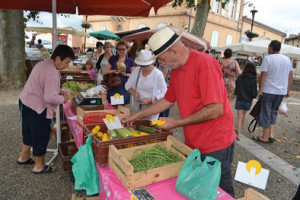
(12, 49)
(202, 9)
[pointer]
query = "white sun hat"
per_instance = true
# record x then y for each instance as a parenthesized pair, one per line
(163, 39)
(144, 58)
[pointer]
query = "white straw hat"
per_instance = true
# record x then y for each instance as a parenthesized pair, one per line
(144, 58)
(162, 40)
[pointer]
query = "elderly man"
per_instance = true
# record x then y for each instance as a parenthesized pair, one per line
(197, 85)
(275, 82)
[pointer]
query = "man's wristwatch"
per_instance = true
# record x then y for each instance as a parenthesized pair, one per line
(153, 99)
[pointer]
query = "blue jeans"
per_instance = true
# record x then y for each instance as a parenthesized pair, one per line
(225, 156)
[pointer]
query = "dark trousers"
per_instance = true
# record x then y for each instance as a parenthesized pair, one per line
(225, 156)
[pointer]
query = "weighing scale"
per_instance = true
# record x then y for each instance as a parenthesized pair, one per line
(83, 99)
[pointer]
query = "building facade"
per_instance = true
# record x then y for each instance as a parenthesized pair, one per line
(224, 25)
(293, 40)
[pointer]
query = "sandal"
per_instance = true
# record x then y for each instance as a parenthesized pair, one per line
(28, 162)
(46, 170)
(271, 139)
(259, 140)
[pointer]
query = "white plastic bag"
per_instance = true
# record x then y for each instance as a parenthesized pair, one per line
(283, 109)
(99, 79)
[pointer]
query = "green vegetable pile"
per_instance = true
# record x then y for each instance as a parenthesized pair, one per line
(74, 86)
(157, 156)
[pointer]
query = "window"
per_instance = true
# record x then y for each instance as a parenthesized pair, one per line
(231, 8)
(229, 39)
(91, 38)
(237, 13)
(161, 25)
(141, 26)
(102, 28)
(119, 27)
(224, 10)
(214, 38)
(216, 6)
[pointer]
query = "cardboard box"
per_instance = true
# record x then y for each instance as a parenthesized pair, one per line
(119, 159)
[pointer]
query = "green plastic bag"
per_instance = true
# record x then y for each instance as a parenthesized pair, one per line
(84, 169)
(197, 179)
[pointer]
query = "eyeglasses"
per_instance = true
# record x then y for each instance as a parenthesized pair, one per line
(122, 49)
(160, 60)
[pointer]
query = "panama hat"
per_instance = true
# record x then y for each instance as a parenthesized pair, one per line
(144, 58)
(162, 40)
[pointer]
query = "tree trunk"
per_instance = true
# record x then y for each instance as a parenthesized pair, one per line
(202, 11)
(12, 49)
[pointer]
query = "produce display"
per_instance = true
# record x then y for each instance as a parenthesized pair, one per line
(78, 87)
(155, 157)
(122, 132)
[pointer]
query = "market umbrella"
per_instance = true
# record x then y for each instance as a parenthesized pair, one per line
(66, 30)
(104, 35)
(189, 39)
(260, 48)
(122, 34)
(86, 7)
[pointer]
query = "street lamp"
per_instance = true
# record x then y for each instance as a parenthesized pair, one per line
(253, 11)
(238, 23)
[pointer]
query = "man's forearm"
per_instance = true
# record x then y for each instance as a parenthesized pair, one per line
(208, 112)
(262, 80)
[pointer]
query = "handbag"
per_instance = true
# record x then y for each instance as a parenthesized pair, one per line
(255, 112)
(197, 179)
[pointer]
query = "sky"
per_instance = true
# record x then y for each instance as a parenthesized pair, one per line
(282, 15)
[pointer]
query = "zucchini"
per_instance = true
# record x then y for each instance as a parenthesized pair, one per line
(113, 134)
(146, 129)
(123, 132)
(132, 130)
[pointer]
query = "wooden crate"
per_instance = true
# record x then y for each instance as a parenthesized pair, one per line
(119, 159)
(121, 111)
(251, 194)
(101, 148)
(65, 131)
(65, 152)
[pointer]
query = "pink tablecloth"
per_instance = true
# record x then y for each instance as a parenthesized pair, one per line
(111, 188)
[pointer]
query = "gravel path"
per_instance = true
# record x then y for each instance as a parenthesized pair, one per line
(18, 182)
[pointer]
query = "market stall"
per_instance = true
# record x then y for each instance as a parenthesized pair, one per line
(110, 187)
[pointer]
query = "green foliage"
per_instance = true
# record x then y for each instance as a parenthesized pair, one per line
(34, 15)
(192, 3)
(86, 25)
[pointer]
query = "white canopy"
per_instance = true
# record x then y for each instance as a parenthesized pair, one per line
(259, 48)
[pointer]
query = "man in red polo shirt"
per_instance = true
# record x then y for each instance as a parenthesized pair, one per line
(197, 85)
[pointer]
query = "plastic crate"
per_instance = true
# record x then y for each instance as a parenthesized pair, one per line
(94, 117)
(65, 152)
(100, 149)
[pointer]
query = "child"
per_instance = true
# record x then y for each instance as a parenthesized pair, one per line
(89, 67)
(246, 90)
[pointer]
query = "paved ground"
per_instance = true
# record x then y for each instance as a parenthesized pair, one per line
(18, 182)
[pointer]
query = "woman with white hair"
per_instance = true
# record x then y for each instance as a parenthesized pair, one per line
(146, 83)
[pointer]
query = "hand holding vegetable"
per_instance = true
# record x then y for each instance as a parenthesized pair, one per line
(66, 97)
(170, 123)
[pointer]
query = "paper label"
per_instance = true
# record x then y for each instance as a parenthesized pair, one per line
(252, 174)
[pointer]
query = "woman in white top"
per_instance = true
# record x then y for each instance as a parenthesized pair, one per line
(102, 62)
(146, 82)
